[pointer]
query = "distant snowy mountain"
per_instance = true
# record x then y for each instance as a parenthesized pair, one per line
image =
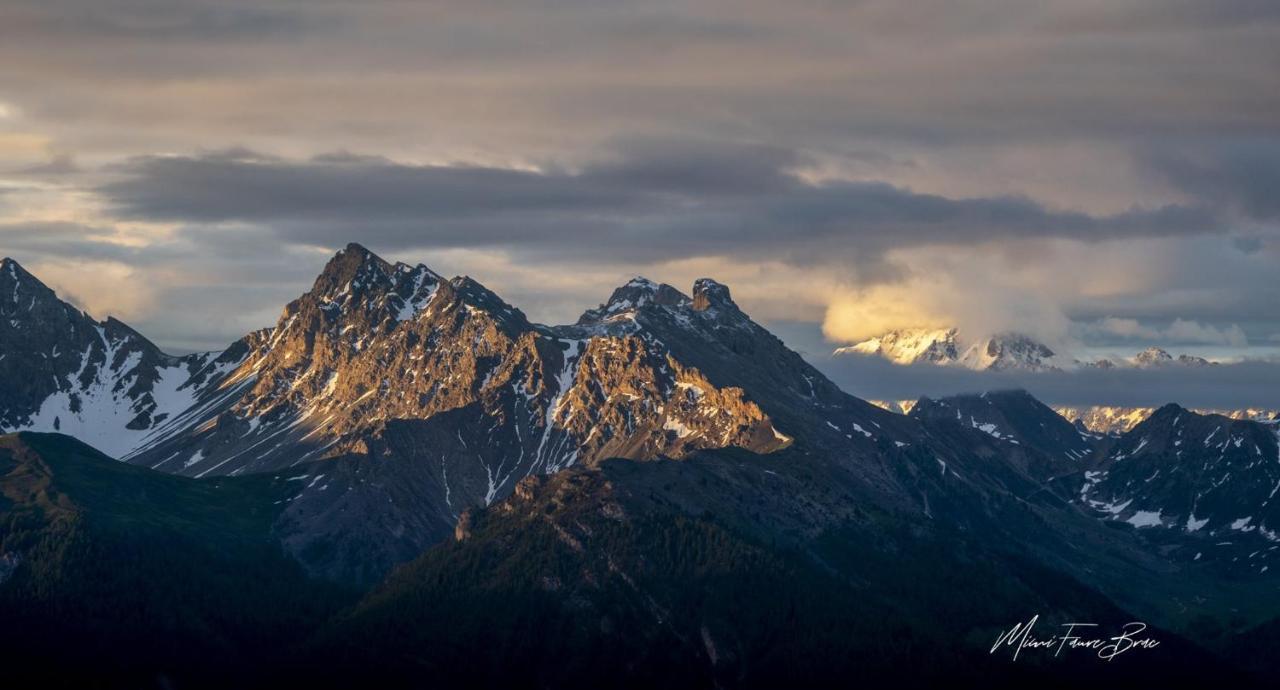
(1110, 420)
(898, 406)
(1000, 352)
(1152, 357)
(908, 346)
(1105, 419)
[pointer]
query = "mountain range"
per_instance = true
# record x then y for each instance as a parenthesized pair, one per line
(1117, 420)
(1000, 352)
(1108, 419)
(406, 480)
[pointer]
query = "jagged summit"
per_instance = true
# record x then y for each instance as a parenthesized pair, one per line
(634, 294)
(1012, 351)
(641, 303)
(358, 288)
(353, 264)
(907, 346)
(11, 265)
(1158, 357)
(708, 293)
(1153, 356)
(20, 290)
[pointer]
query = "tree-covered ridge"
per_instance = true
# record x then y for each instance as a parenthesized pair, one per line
(609, 574)
(119, 572)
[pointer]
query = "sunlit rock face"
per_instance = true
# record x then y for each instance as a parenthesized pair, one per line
(1108, 419)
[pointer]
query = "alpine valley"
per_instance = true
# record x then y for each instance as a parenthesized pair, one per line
(404, 482)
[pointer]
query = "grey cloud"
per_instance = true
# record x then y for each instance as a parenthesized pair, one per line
(213, 286)
(1243, 174)
(60, 164)
(161, 20)
(61, 239)
(657, 199)
(504, 75)
(1179, 332)
(339, 188)
(1013, 112)
(1202, 278)
(1174, 15)
(1247, 245)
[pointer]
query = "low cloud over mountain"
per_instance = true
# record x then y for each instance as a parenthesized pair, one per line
(1222, 386)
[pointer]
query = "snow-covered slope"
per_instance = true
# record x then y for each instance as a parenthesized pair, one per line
(101, 382)
(908, 346)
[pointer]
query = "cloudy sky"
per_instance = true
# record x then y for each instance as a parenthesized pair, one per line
(1101, 174)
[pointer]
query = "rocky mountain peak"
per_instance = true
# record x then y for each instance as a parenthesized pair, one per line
(906, 346)
(1167, 411)
(1017, 341)
(1015, 351)
(1153, 356)
(640, 291)
(635, 294)
(708, 293)
(21, 291)
(640, 296)
(476, 296)
(352, 268)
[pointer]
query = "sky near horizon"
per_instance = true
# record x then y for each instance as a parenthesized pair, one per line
(1101, 175)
